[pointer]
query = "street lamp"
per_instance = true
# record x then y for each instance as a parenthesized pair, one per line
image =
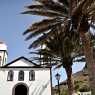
(57, 76)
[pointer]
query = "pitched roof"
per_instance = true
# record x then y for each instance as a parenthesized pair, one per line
(34, 65)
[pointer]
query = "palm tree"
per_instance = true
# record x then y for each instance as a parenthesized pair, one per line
(61, 48)
(72, 17)
(66, 60)
(55, 54)
(83, 26)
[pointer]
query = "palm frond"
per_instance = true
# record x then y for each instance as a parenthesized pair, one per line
(58, 65)
(42, 24)
(38, 25)
(43, 12)
(77, 10)
(56, 7)
(87, 4)
(45, 22)
(41, 40)
(91, 8)
(48, 52)
(37, 32)
(34, 6)
(38, 42)
(37, 53)
(64, 2)
(41, 30)
(45, 1)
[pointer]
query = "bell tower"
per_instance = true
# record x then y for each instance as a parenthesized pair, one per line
(3, 54)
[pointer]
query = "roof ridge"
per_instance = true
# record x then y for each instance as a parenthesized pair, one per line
(22, 57)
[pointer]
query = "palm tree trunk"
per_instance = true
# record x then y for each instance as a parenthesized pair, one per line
(70, 7)
(94, 54)
(88, 51)
(70, 80)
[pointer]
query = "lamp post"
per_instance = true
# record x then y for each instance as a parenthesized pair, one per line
(57, 76)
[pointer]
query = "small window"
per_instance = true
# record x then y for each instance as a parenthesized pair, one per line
(31, 75)
(21, 76)
(10, 75)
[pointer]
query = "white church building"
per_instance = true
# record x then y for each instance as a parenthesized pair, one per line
(22, 76)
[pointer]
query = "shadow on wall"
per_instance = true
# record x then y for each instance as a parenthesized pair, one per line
(39, 90)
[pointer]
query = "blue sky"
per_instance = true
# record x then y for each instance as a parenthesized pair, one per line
(13, 24)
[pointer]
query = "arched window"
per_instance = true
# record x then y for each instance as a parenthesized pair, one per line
(21, 76)
(10, 75)
(31, 75)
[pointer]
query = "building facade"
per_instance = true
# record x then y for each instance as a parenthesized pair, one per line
(23, 77)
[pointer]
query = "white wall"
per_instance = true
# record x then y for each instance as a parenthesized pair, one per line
(42, 77)
(22, 63)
